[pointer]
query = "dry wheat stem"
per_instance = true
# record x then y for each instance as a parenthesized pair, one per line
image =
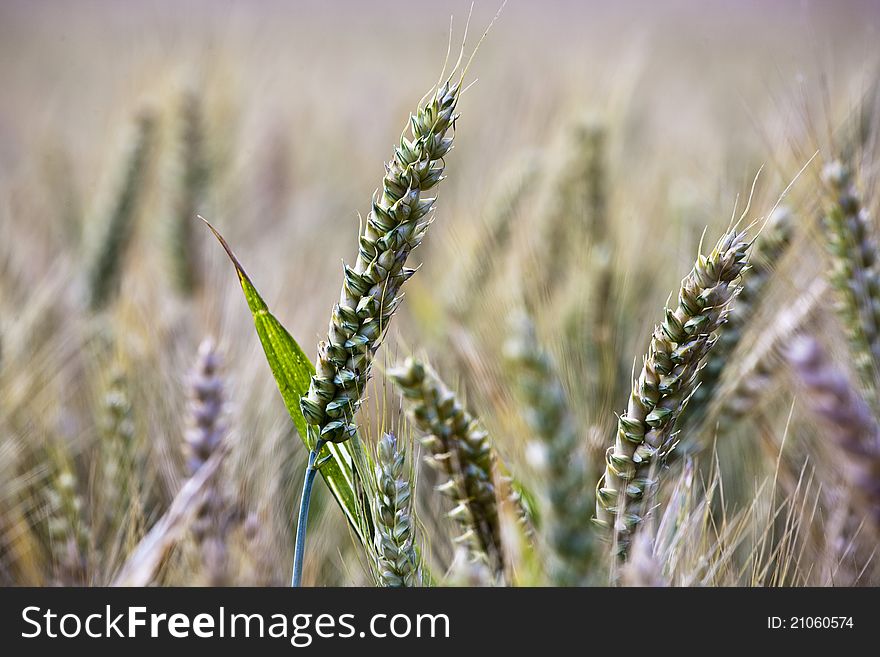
(143, 564)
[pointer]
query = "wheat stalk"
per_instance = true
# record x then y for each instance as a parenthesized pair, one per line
(855, 269)
(459, 448)
(678, 348)
(143, 564)
(398, 560)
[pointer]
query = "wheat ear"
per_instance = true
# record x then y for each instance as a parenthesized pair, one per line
(846, 416)
(398, 560)
(191, 180)
(214, 516)
(117, 436)
(118, 229)
(69, 534)
(768, 250)
(678, 348)
(855, 269)
(560, 453)
(369, 297)
(459, 448)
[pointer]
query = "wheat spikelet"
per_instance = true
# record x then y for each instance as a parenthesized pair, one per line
(560, 455)
(855, 269)
(369, 297)
(118, 229)
(459, 448)
(846, 416)
(398, 561)
(678, 348)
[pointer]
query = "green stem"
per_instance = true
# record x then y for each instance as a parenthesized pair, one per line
(300, 545)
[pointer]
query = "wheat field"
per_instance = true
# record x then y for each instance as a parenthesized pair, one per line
(638, 345)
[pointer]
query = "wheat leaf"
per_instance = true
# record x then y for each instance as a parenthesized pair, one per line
(293, 370)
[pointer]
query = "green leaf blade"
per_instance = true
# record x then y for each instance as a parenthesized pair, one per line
(293, 371)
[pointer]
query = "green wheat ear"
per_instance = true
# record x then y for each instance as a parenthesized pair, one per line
(561, 459)
(370, 290)
(679, 346)
(105, 269)
(191, 178)
(855, 271)
(769, 248)
(458, 448)
(397, 556)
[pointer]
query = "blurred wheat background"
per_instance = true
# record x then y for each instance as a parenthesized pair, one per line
(599, 146)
